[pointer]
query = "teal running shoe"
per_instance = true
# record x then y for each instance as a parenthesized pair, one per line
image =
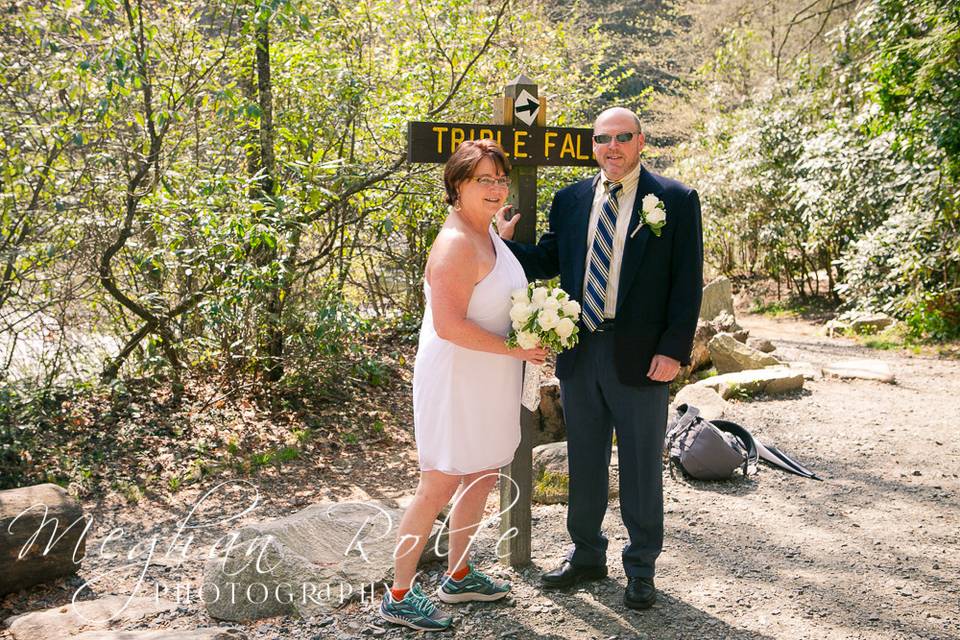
(414, 611)
(474, 586)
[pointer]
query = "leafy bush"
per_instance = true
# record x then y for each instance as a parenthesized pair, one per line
(847, 171)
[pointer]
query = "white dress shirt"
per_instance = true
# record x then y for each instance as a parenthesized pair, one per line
(625, 199)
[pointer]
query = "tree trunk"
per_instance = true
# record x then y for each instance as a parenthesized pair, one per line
(273, 336)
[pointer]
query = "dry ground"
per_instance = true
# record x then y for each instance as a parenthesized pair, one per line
(870, 552)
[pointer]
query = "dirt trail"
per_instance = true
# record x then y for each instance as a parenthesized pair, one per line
(869, 553)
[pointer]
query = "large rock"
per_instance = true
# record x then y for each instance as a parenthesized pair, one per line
(711, 405)
(306, 564)
(700, 353)
(22, 513)
(717, 297)
(772, 381)
(870, 323)
(63, 622)
(207, 633)
(729, 355)
(861, 369)
(550, 414)
(809, 371)
(551, 476)
(724, 322)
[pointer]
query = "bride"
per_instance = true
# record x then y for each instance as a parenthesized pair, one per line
(466, 386)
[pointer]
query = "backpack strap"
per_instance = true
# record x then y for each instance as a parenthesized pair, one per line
(688, 415)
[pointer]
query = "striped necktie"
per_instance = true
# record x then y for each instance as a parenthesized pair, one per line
(595, 292)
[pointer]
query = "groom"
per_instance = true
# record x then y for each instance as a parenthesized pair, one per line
(628, 246)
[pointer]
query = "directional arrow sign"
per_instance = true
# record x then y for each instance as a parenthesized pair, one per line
(526, 107)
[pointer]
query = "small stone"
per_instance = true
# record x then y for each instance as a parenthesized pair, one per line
(761, 344)
(862, 369)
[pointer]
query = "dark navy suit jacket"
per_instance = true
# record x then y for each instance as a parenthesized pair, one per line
(661, 278)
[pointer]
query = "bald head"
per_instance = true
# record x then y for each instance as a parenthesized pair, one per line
(616, 112)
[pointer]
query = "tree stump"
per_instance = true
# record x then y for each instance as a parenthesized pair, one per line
(42, 536)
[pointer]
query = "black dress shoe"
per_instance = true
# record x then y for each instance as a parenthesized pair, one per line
(640, 593)
(567, 575)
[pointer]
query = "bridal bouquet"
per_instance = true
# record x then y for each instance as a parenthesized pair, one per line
(543, 315)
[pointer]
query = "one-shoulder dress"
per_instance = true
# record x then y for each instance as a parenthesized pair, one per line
(466, 403)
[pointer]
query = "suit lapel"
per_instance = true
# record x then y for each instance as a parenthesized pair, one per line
(581, 221)
(633, 247)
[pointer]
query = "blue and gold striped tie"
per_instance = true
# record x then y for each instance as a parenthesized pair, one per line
(595, 292)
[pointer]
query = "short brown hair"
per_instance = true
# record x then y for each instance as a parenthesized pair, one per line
(465, 159)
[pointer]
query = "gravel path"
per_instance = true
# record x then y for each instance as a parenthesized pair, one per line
(870, 552)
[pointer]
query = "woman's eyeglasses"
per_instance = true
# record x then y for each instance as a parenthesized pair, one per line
(487, 181)
(605, 138)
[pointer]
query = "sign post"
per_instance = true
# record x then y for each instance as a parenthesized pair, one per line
(520, 128)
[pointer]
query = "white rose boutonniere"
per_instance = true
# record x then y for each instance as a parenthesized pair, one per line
(653, 213)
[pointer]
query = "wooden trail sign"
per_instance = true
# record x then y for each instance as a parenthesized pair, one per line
(566, 146)
(521, 130)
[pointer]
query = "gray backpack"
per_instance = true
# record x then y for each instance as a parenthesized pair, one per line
(704, 451)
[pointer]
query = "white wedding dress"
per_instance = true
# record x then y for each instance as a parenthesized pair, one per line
(466, 403)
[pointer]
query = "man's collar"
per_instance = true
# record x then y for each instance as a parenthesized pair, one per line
(629, 181)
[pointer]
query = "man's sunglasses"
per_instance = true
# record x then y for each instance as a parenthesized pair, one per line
(605, 138)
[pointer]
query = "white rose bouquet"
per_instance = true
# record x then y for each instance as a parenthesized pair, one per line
(545, 316)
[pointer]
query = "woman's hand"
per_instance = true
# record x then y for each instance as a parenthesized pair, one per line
(537, 355)
(506, 227)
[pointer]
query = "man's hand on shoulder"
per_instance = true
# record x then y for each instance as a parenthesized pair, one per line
(663, 368)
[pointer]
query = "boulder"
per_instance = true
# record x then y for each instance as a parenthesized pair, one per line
(22, 513)
(809, 371)
(772, 381)
(726, 323)
(711, 405)
(706, 330)
(207, 633)
(699, 354)
(551, 478)
(729, 355)
(761, 344)
(870, 323)
(717, 297)
(550, 414)
(306, 564)
(550, 457)
(861, 369)
(69, 620)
